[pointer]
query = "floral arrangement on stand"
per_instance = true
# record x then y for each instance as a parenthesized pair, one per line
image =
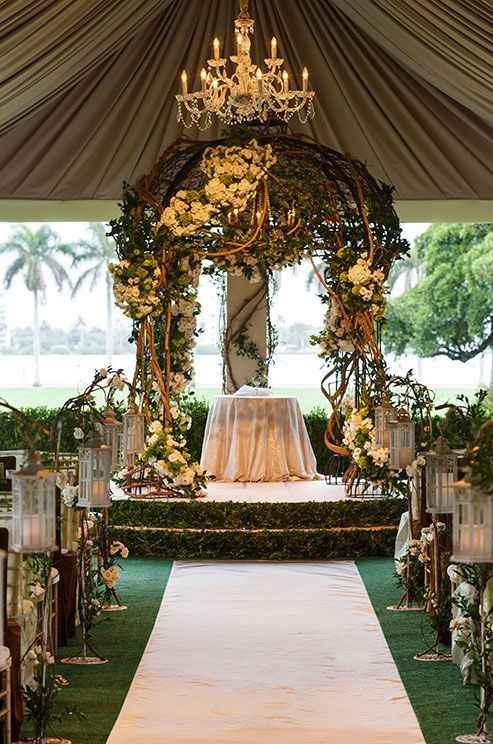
(371, 460)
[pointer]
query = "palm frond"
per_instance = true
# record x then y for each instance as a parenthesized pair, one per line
(15, 268)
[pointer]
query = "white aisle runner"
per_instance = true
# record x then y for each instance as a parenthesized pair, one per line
(266, 653)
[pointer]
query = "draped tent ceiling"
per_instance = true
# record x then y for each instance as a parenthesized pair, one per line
(87, 88)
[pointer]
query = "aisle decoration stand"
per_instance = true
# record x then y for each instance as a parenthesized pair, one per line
(33, 532)
(94, 481)
(473, 550)
(441, 472)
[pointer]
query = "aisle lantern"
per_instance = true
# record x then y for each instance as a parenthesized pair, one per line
(112, 436)
(401, 442)
(133, 435)
(441, 474)
(473, 524)
(94, 475)
(33, 508)
(384, 414)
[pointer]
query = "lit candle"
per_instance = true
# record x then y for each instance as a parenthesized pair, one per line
(203, 78)
(33, 532)
(98, 494)
(305, 79)
(184, 83)
(215, 47)
(285, 81)
(273, 48)
(258, 76)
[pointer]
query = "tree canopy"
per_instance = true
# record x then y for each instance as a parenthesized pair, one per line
(450, 309)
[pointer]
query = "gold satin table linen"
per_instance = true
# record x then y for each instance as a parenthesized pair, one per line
(256, 438)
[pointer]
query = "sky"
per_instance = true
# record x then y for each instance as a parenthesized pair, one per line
(60, 310)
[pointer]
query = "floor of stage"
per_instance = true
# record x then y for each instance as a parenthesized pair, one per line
(283, 492)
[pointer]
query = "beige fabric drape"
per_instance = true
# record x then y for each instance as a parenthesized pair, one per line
(87, 88)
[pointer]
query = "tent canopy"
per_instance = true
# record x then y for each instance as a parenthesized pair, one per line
(87, 90)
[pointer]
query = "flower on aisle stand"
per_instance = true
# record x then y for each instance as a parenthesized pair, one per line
(110, 576)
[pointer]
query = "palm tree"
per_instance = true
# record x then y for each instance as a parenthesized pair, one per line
(99, 249)
(36, 251)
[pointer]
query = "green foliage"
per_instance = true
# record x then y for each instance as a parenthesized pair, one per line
(273, 545)
(453, 425)
(450, 310)
(479, 459)
(462, 420)
(252, 516)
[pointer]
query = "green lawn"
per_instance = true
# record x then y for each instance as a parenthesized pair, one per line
(309, 397)
(99, 691)
(444, 707)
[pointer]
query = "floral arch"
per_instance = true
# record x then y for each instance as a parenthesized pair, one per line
(251, 204)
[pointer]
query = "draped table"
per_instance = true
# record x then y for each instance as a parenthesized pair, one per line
(257, 439)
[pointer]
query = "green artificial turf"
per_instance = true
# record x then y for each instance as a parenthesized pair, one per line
(99, 691)
(444, 707)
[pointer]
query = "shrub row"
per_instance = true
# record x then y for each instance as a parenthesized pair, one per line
(242, 515)
(315, 545)
(451, 425)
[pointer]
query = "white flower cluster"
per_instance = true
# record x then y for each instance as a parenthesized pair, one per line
(462, 626)
(360, 438)
(366, 283)
(233, 174)
(136, 286)
(417, 464)
(166, 454)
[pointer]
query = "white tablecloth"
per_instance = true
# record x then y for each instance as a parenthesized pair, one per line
(257, 439)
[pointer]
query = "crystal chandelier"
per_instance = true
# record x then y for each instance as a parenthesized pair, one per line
(248, 93)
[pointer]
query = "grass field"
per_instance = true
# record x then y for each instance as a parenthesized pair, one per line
(309, 397)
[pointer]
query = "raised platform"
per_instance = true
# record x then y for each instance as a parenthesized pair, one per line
(285, 492)
(308, 520)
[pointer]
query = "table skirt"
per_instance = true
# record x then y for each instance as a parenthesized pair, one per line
(257, 439)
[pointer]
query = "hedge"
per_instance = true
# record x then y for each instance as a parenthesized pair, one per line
(451, 426)
(272, 545)
(242, 515)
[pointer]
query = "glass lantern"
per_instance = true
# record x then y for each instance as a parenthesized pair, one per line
(401, 442)
(33, 509)
(473, 524)
(441, 474)
(94, 477)
(133, 435)
(112, 430)
(384, 414)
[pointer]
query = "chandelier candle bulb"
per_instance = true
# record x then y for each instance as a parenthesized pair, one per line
(273, 48)
(285, 81)
(215, 48)
(305, 79)
(258, 77)
(184, 83)
(203, 79)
